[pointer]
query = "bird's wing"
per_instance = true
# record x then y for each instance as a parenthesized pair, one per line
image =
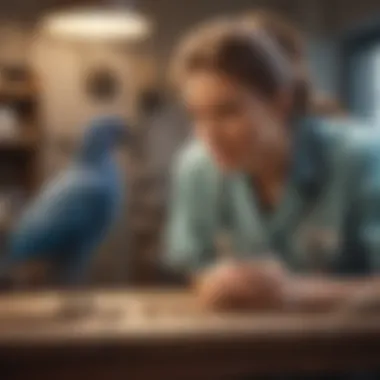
(65, 219)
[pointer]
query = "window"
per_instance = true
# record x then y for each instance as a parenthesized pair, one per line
(361, 71)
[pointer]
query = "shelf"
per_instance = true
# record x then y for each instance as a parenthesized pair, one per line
(6, 225)
(20, 165)
(17, 92)
(18, 144)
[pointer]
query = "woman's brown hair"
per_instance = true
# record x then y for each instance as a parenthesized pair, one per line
(284, 33)
(246, 54)
(291, 41)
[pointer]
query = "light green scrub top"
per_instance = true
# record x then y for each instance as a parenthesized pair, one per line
(328, 219)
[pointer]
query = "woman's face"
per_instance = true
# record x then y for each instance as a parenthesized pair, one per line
(240, 128)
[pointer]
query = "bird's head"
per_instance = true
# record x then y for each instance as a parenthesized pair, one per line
(102, 137)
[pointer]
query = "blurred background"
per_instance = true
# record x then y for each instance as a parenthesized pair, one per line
(54, 80)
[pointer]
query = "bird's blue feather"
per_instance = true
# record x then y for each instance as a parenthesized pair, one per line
(73, 213)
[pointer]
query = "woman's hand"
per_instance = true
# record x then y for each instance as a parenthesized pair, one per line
(363, 298)
(252, 285)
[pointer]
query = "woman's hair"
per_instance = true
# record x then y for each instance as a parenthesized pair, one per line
(290, 40)
(284, 33)
(288, 37)
(248, 50)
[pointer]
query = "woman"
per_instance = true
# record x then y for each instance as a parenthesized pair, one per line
(265, 172)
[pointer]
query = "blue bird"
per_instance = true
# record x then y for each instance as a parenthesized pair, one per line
(73, 213)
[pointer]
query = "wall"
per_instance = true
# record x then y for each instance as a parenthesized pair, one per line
(62, 70)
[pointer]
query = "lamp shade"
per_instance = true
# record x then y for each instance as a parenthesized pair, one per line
(97, 24)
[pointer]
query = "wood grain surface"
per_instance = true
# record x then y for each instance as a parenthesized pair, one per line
(166, 335)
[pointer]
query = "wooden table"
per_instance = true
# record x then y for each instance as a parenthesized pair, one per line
(164, 335)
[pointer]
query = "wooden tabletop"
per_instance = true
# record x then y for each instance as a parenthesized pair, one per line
(166, 334)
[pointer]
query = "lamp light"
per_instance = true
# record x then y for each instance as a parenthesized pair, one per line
(108, 24)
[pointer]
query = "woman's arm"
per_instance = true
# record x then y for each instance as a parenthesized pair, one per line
(243, 285)
(253, 287)
(319, 294)
(188, 248)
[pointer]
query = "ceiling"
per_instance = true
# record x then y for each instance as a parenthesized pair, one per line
(30, 10)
